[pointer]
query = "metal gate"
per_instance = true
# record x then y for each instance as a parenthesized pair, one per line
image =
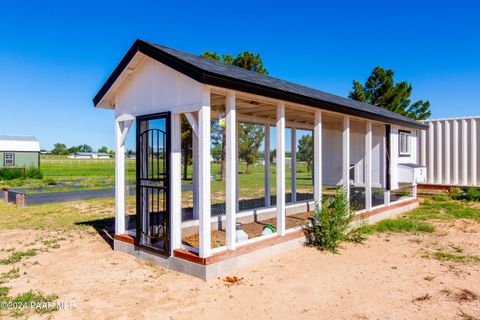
(153, 210)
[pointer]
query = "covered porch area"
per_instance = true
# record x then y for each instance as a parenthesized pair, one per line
(226, 199)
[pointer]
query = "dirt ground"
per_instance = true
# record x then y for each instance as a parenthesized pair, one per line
(390, 276)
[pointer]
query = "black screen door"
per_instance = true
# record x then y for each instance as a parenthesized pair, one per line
(153, 153)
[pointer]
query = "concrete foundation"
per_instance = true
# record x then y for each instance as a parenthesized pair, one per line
(223, 262)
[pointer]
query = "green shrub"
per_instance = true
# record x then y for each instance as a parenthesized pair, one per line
(440, 197)
(11, 173)
(50, 181)
(20, 173)
(33, 173)
(473, 194)
(456, 193)
(329, 223)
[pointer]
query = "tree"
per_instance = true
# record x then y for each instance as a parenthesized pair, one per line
(103, 150)
(186, 137)
(72, 150)
(273, 155)
(381, 90)
(246, 60)
(305, 150)
(250, 138)
(59, 149)
(84, 148)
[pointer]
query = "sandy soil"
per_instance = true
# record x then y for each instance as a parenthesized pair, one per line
(388, 277)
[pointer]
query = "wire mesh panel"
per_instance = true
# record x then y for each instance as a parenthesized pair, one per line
(357, 165)
(218, 167)
(251, 166)
(378, 165)
(304, 167)
(332, 157)
(402, 193)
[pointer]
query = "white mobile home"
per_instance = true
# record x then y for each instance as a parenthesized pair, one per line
(369, 151)
(450, 150)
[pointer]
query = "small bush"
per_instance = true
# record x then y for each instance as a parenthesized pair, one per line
(456, 193)
(11, 173)
(329, 223)
(50, 181)
(33, 173)
(473, 194)
(20, 173)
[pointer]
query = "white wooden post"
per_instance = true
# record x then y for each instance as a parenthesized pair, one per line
(439, 153)
(231, 174)
(280, 169)
(431, 142)
(237, 187)
(386, 163)
(293, 164)
(346, 156)
(368, 166)
(447, 176)
(195, 174)
(267, 165)
(119, 178)
(204, 176)
(176, 182)
(423, 148)
(464, 152)
(317, 157)
(473, 152)
(455, 163)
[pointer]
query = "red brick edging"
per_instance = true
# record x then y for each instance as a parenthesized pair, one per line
(227, 254)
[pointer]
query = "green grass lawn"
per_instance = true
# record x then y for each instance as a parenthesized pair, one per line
(63, 174)
(419, 220)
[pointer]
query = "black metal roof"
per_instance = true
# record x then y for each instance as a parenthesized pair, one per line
(211, 72)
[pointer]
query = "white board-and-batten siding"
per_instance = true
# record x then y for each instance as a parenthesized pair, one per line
(155, 87)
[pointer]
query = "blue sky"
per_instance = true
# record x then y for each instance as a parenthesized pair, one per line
(54, 56)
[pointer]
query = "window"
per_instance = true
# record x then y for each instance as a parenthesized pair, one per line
(404, 143)
(9, 159)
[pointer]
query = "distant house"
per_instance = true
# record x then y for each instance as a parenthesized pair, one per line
(89, 155)
(19, 152)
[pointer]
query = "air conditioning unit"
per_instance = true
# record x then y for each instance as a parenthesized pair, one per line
(411, 173)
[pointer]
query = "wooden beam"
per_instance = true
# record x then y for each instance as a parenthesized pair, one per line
(267, 165)
(231, 174)
(317, 161)
(346, 156)
(119, 179)
(175, 183)
(293, 155)
(204, 177)
(280, 130)
(368, 166)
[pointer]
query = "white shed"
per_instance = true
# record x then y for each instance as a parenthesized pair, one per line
(366, 150)
(19, 152)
